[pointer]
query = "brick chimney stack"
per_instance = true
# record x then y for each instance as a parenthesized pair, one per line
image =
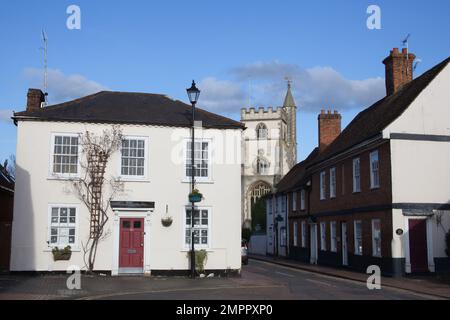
(329, 127)
(34, 99)
(399, 69)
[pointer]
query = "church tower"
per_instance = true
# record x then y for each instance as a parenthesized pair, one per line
(269, 150)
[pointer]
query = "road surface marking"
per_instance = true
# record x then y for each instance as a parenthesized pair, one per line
(110, 295)
(285, 274)
(320, 282)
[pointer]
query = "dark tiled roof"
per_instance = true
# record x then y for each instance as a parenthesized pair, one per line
(297, 174)
(6, 181)
(367, 124)
(371, 121)
(130, 108)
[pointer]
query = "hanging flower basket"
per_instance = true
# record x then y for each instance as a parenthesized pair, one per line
(195, 196)
(62, 254)
(166, 222)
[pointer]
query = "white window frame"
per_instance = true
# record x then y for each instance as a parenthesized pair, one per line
(374, 249)
(187, 246)
(333, 236)
(374, 174)
(294, 201)
(303, 227)
(295, 233)
(357, 248)
(53, 175)
(302, 199)
(323, 191)
(146, 159)
(333, 182)
(197, 179)
(356, 165)
(74, 246)
(323, 236)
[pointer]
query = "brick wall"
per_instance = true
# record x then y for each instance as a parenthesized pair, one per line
(345, 198)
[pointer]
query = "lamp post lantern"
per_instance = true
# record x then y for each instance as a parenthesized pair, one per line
(193, 94)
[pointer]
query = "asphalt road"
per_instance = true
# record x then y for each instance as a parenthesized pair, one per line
(264, 281)
(259, 281)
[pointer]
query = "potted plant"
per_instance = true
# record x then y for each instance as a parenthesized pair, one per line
(62, 254)
(167, 221)
(201, 256)
(195, 196)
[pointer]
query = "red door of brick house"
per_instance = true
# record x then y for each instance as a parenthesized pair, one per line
(131, 253)
(418, 251)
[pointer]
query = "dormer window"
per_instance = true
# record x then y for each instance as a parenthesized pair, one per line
(261, 131)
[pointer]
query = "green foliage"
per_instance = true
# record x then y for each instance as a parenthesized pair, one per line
(62, 254)
(259, 214)
(201, 256)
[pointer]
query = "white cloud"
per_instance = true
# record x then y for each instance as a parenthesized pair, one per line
(5, 115)
(314, 89)
(221, 95)
(62, 87)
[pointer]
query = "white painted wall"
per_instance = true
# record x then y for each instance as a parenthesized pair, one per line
(165, 185)
(421, 169)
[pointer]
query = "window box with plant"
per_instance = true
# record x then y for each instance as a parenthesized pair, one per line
(62, 254)
(195, 196)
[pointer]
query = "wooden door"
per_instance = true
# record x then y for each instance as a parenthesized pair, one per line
(131, 253)
(418, 251)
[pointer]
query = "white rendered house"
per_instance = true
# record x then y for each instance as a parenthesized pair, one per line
(153, 164)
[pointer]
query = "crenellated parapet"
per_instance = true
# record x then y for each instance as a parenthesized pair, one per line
(262, 113)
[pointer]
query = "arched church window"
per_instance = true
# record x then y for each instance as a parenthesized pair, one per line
(262, 166)
(259, 190)
(261, 131)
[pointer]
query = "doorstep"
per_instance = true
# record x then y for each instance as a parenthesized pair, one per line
(425, 284)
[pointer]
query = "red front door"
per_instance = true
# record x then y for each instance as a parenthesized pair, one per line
(418, 252)
(131, 243)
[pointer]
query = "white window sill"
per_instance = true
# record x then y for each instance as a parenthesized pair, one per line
(198, 181)
(132, 179)
(63, 178)
(197, 249)
(75, 249)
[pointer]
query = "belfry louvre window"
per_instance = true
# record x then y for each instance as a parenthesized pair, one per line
(133, 157)
(63, 226)
(201, 159)
(65, 154)
(261, 131)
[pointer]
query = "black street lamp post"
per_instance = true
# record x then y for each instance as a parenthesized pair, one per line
(193, 94)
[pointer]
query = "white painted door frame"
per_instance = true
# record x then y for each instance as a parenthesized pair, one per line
(430, 253)
(344, 238)
(131, 213)
(313, 243)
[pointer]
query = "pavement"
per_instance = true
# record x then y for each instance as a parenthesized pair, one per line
(434, 285)
(260, 280)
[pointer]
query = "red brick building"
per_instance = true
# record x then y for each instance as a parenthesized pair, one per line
(355, 201)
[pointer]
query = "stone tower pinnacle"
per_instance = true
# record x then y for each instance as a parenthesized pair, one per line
(291, 110)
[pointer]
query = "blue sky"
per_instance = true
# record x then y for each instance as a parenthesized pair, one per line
(238, 51)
